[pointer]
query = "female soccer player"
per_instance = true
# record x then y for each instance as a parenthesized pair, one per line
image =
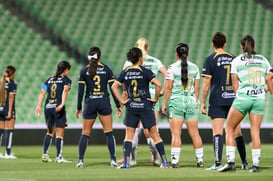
(249, 72)
(139, 105)
(217, 78)
(156, 66)
(96, 76)
(8, 89)
(57, 88)
(182, 87)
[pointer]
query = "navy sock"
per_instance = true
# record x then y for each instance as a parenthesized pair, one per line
(241, 148)
(111, 143)
(218, 148)
(47, 142)
(1, 136)
(127, 148)
(83, 145)
(8, 140)
(59, 146)
(161, 150)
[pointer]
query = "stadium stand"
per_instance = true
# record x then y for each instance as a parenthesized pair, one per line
(114, 26)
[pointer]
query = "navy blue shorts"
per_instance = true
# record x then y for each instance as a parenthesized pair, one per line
(55, 119)
(3, 113)
(132, 118)
(92, 107)
(219, 111)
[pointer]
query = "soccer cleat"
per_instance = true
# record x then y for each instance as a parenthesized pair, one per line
(244, 166)
(214, 167)
(124, 166)
(200, 164)
(133, 162)
(45, 158)
(62, 160)
(79, 164)
(2, 156)
(227, 167)
(121, 160)
(164, 165)
(10, 156)
(254, 169)
(157, 162)
(113, 163)
(175, 165)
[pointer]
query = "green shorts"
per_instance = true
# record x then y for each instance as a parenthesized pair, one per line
(184, 108)
(255, 106)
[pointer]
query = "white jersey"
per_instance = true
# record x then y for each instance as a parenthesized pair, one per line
(251, 73)
(174, 73)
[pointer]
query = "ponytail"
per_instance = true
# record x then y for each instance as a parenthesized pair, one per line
(248, 45)
(93, 57)
(182, 51)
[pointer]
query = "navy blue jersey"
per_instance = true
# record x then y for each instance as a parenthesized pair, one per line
(14, 91)
(97, 87)
(217, 66)
(136, 80)
(55, 89)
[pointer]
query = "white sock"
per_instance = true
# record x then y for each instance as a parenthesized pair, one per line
(175, 154)
(199, 154)
(230, 152)
(135, 139)
(256, 154)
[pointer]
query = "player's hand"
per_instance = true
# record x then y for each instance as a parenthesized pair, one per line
(203, 108)
(38, 111)
(78, 113)
(119, 112)
(9, 116)
(164, 109)
(123, 102)
(59, 108)
(161, 93)
(152, 100)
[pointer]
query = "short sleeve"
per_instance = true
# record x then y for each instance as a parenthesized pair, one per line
(68, 82)
(121, 77)
(234, 66)
(198, 74)
(150, 75)
(208, 68)
(170, 75)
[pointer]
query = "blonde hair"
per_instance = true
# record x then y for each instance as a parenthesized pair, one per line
(143, 45)
(3, 92)
(10, 70)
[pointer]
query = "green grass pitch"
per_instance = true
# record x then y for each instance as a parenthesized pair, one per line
(29, 167)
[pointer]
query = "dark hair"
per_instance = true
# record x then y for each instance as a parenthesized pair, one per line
(93, 56)
(248, 45)
(134, 54)
(218, 40)
(9, 70)
(62, 65)
(182, 51)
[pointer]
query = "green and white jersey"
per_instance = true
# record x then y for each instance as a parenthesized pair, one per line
(174, 73)
(152, 64)
(251, 74)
